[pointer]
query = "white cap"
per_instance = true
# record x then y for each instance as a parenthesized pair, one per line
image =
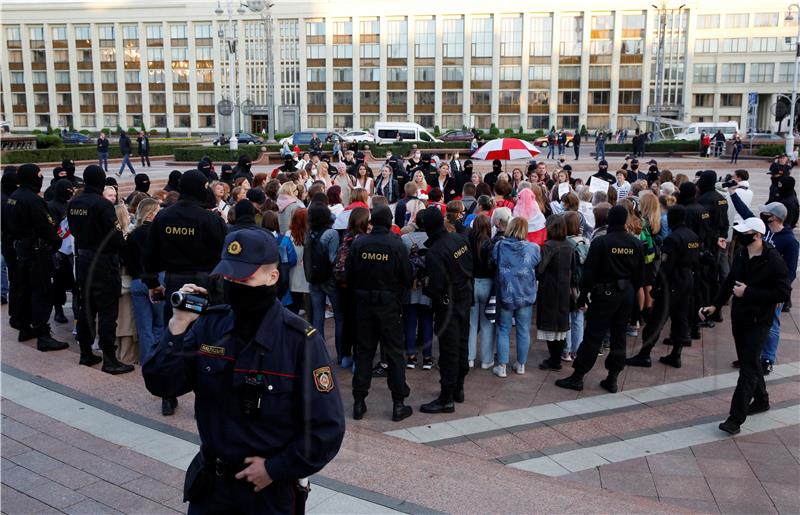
(751, 224)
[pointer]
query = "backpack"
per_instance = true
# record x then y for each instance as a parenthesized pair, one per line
(316, 265)
(283, 267)
(581, 246)
(339, 269)
(649, 243)
(418, 271)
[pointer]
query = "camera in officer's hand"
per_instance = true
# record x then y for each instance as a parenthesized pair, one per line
(728, 181)
(191, 302)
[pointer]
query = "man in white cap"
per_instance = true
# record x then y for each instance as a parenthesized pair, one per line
(752, 311)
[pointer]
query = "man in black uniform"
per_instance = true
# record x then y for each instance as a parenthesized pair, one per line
(613, 276)
(680, 258)
(602, 172)
(717, 207)
(98, 242)
(35, 238)
(63, 262)
(699, 221)
(8, 186)
(141, 184)
(267, 405)
(379, 273)
(69, 166)
(207, 168)
(58, 173)
(448, 263)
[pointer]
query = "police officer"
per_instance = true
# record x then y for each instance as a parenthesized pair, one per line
(207, 168)
(699, 221)
(8, 186)
(142, 184)
(98, 242)
(717, 207)
(602, 172)
(448, 263)
(63, 258)
(680, 258)
(379, 273)
(34, 237)
(267, 403)
(69, 166)
(613, 276)
(58, 173)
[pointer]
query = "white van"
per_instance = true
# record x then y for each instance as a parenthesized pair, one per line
(694, 130)
(389, 132)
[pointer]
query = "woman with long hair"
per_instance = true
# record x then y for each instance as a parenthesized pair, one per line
(528, 208)
(446, 183)
(651, 229)
(288, 202)
(298, 285)
(364, 179)
(323, 174)
(480, 241)
(417, 306)
(502, 194)
(422, 184)
(334, 195)
(357, 226)
(358, 198)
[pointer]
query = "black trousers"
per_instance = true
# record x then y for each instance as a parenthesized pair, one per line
(656, 318)
(350, 329)
(33, 291)
(749, 340)
(608, 312)
(174, 282)
(63, 279)
(100, 284)
(709, 269)
(451, 324)
(145, 156)
(378, 316)
(577, 149)
(14, 294)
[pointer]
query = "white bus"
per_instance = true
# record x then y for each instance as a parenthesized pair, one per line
(694, 130)
(389, 132)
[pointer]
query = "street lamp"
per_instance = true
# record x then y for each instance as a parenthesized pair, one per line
(231, 40)
(264, 10)
(790, 137)
(662, 34)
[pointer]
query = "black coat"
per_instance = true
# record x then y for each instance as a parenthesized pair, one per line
(554, 273)
(124, 144)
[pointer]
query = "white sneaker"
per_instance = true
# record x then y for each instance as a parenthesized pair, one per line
(499, 371)
(519, 368)
(487, 366)
(472, 363)
(566, 357)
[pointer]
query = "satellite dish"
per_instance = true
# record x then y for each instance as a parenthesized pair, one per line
(225, 107)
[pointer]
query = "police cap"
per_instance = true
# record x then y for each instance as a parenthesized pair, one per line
(244, 251)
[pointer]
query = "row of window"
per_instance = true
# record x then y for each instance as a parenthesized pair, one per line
(202, 30)
(456, 98)
(740, 20)
(735, 72)
(131, 99)
(110, 76)
(725, 100)
(736, 45)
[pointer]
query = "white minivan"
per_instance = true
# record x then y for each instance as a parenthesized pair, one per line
(390, 132)
(694, 130)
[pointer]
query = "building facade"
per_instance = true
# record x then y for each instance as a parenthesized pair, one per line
(347, 64)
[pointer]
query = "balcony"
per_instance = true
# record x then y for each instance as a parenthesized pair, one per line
(452, 84)
(629, 109)
(569, 84)
(109, 86)
(396, 61)
(157, 86)
(510, 84)
(110, 108)
(599, 84)
(538, 109)
(181, 109)
(19, 109)
(17, 88)
(423, 108)
(569, 59)
(369, 108)
(108, 65)
(39, 66)
(316, 109)
(41, 108)
(343, 63)
(61, 66)
(568, 108)
(600, 59)
(180, 86)
(343, 108)
(206, 109)
(65, 109)
(83, 43)
(315, 63)
(84, 65)
(598, 109)
(205, 86)
(453, 109)
(132, 65)
(476, 61)
(631, 58)
(630, 84)
(87, 109)
(342, 86)
(509, 109)
(424, 85)
(63, 87)
(133, 86)
(315, 86)
(158, 109)
(539, 84)
(155, 42)
(15, 66)
(133, 108)
(480, 84)
(40, 87)
(480, 108)
(85, 87)
(400, 108)
(368, 85)
(397, 85)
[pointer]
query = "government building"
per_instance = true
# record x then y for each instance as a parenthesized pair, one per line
(347, 64)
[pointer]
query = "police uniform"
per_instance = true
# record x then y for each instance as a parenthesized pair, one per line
(98, 242)
(612, 274)
(9, 186)
(379, 272)
(35, 238)
(717, 207)
(273, 395)
(699, 221)
(602, 173)
(184, 241)
(448, 263)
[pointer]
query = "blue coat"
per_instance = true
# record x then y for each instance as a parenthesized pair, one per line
(515, 283)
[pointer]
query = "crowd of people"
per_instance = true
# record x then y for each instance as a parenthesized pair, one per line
(413, 255)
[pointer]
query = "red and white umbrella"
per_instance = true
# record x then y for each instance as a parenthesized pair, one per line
(505, 149)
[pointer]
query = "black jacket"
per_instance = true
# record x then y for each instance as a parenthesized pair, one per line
(124, 144)
(93, 222)
(144, 145)
(449, 190)
(767, 283)
(448, 263)
(31, 219)
(379, 261)
(102, 144)
(133, 255)
(612, 257)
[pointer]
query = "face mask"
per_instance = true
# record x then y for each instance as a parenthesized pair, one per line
(746, 239)
(39, 182)
(245, 299)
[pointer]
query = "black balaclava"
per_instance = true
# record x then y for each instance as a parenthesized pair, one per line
(31, 176)
(110, 181)
(204, 165)
(174, 181)
(245, 212)
(245, 163)
(497, 165)
(69, 166)
(617, 217)
(706, 181)
(786, 186)
(9, 182)
(63, 190)
(382, 217)
(226, 174)
(59, 173)
(9, 169)
(193, 186)
(602, 166)
(468, 166)
(676, 216)
(142, 182)
(687, 193)
(95, 179)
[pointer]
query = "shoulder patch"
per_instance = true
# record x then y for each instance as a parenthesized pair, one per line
(323, 379)
(297, 323)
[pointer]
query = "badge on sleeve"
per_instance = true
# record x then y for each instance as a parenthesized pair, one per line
(323, 379)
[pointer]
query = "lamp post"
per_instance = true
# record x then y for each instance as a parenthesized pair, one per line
(231, 41)
(264, 10)
(790, 137)
(662, 34)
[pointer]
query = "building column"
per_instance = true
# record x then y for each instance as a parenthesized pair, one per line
(613, 107)
(329, 67)
(98, 85)
(467, 88)
(74, 89)
(583, 102)
(119, 54)
(650, 38)
(554, 64)
(688, 67)
(302, 101)
(523, 83)
(194, 124)
(24, 35)
(412, 55)
(437, 64)
(495, 94)
(144, 78)
(382, 93)
(356, 44)
(167, 38)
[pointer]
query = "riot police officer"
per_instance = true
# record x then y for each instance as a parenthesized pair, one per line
(69, 166)
(35, 238)
(613, 276)
(699, 221)
(98, 242)
(267, 403)
(8, 186)
(717, 207)
(679, 260)
(602, 172)
(448, 263)
(379, 272)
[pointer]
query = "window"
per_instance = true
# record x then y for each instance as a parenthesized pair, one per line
(453, 73)
(541, 36)
(481, 73)
(730, 100)
(109, 99)
(632, 46)
(82, 32)
(180, 98)
(630, 72)
(205, 99)
(130, 32)
(569, 73)
(62, 77)
(105, 31)
(158, 120)
(762, 72)
(154, 31)
(12, 34)
(481, 97)
(315, 28)
(764, 44)
(539, 72)
(708, 21)
(315, 74)
(370, 74)
(786, 72)
(155, 76)
(343, 75)
(765, 20)
(15, 56)
(85, 78)
(40, 77)
(453, 38)
(18, 99)
(203, 53)
(602, 73)
(732, 73)
(36, 33)
(59, 33)
(706, 46)
(571, 35)
(538, 97)
(397, 74)
(482, 37)
(508, 98)
(108, 55)
(452, 98)
(396, 98)
(510, 73)
(703, 100)
(424, 39)
(602, 34)
(158, 99)
(371, 98)
(177, 31)
(133, 99)
(599, 97)
(570, 97)
(424, 98)
(511, 37)
(316, 98)
(705, 73)
(424, 73)
(397, 40)
(538, 121)
(183, 121)
(736, 21)
(370, 27)
(108, 77)
(132, 76)
(87, 120)
(60, 56)
(316, 51)
(370, 51)
(343, 51)
(202, 31)
(84, 55)
(17, 77)
(630, 97)
(732, 45)
(155, 54)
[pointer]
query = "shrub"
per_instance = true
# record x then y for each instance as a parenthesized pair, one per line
(106, 130)
(508, 131)
(494, 131)
(660, 146)
(48, 141)
(133, 130)
(436, 131)
(584, 132)
(153, 132)
(78, 153)
(770, 150)
(194, 154)
(521, 130)
(85, 132)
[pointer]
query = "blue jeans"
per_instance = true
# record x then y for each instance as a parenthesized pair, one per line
(126, 160)
(477, 319)
(600, 152)
(317, 292)
(551, 151)
(149, 318)
(419, 315)
(102, 157)
(770, 351)
(523, 316)
(3, 277)
(575, 333)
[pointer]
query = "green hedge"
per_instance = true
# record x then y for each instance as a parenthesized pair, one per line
(660, 146)
(771, 150)
(48, 141)
(79, 153)
(194, 154)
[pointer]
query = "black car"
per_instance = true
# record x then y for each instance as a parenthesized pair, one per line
(244, 138)
(457, 135)
(76, 138)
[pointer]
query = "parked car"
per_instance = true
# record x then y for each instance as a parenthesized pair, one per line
(244, 138)
(693, 131)
(304, 137)
(457, 135)
(390, 132)
(542, 141)
(358, 137)
(763, 138)
(76, 138)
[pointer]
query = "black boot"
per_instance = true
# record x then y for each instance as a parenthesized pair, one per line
(359, 408)
(554, 361)
(25, 334)
(458, 395)
(639, 360)
(111, 365)
(59, 316)
(400, 411)
(90, 359)
(695, 334)
(438, 405)
(610, 382)
(674, 357)
(573, 382)
(46, 343)
(168, 405)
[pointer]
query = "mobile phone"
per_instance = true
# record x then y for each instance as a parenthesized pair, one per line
(157, 296)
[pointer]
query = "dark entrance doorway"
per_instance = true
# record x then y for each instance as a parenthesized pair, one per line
(259, 122)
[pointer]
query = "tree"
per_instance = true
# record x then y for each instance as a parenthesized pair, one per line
(436, 131)
(584, 132)
(119, 129)
(166, 133)
(144, 129)
(521, 131)
(553, 128)
(494, 131)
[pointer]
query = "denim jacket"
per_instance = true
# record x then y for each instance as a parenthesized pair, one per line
(515, 283)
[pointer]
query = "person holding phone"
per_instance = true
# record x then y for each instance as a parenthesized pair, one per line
(758, 281)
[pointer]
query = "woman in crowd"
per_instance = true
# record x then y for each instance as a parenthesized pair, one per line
(651, 231)
(334, 195)
(622, 186)
(435, 197)
(357, 226)
(480, 241)
(516, 178)
(288, 202)
(528, 208)
(364, 179)
(417, 307)
(387, 185)
(502, 194)
(288, 256)
(580, 245)
(260, 180)
(127, 349)
(554, 274)
(110, 194)
(446, 183)
(358, 198)
(475, 178)
(298, 285)
(422, 184)
(515, 259)
(218, 189)
(323, 174)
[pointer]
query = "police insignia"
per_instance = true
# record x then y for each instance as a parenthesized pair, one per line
(234, 248)
(323, 379)
(211, 349)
